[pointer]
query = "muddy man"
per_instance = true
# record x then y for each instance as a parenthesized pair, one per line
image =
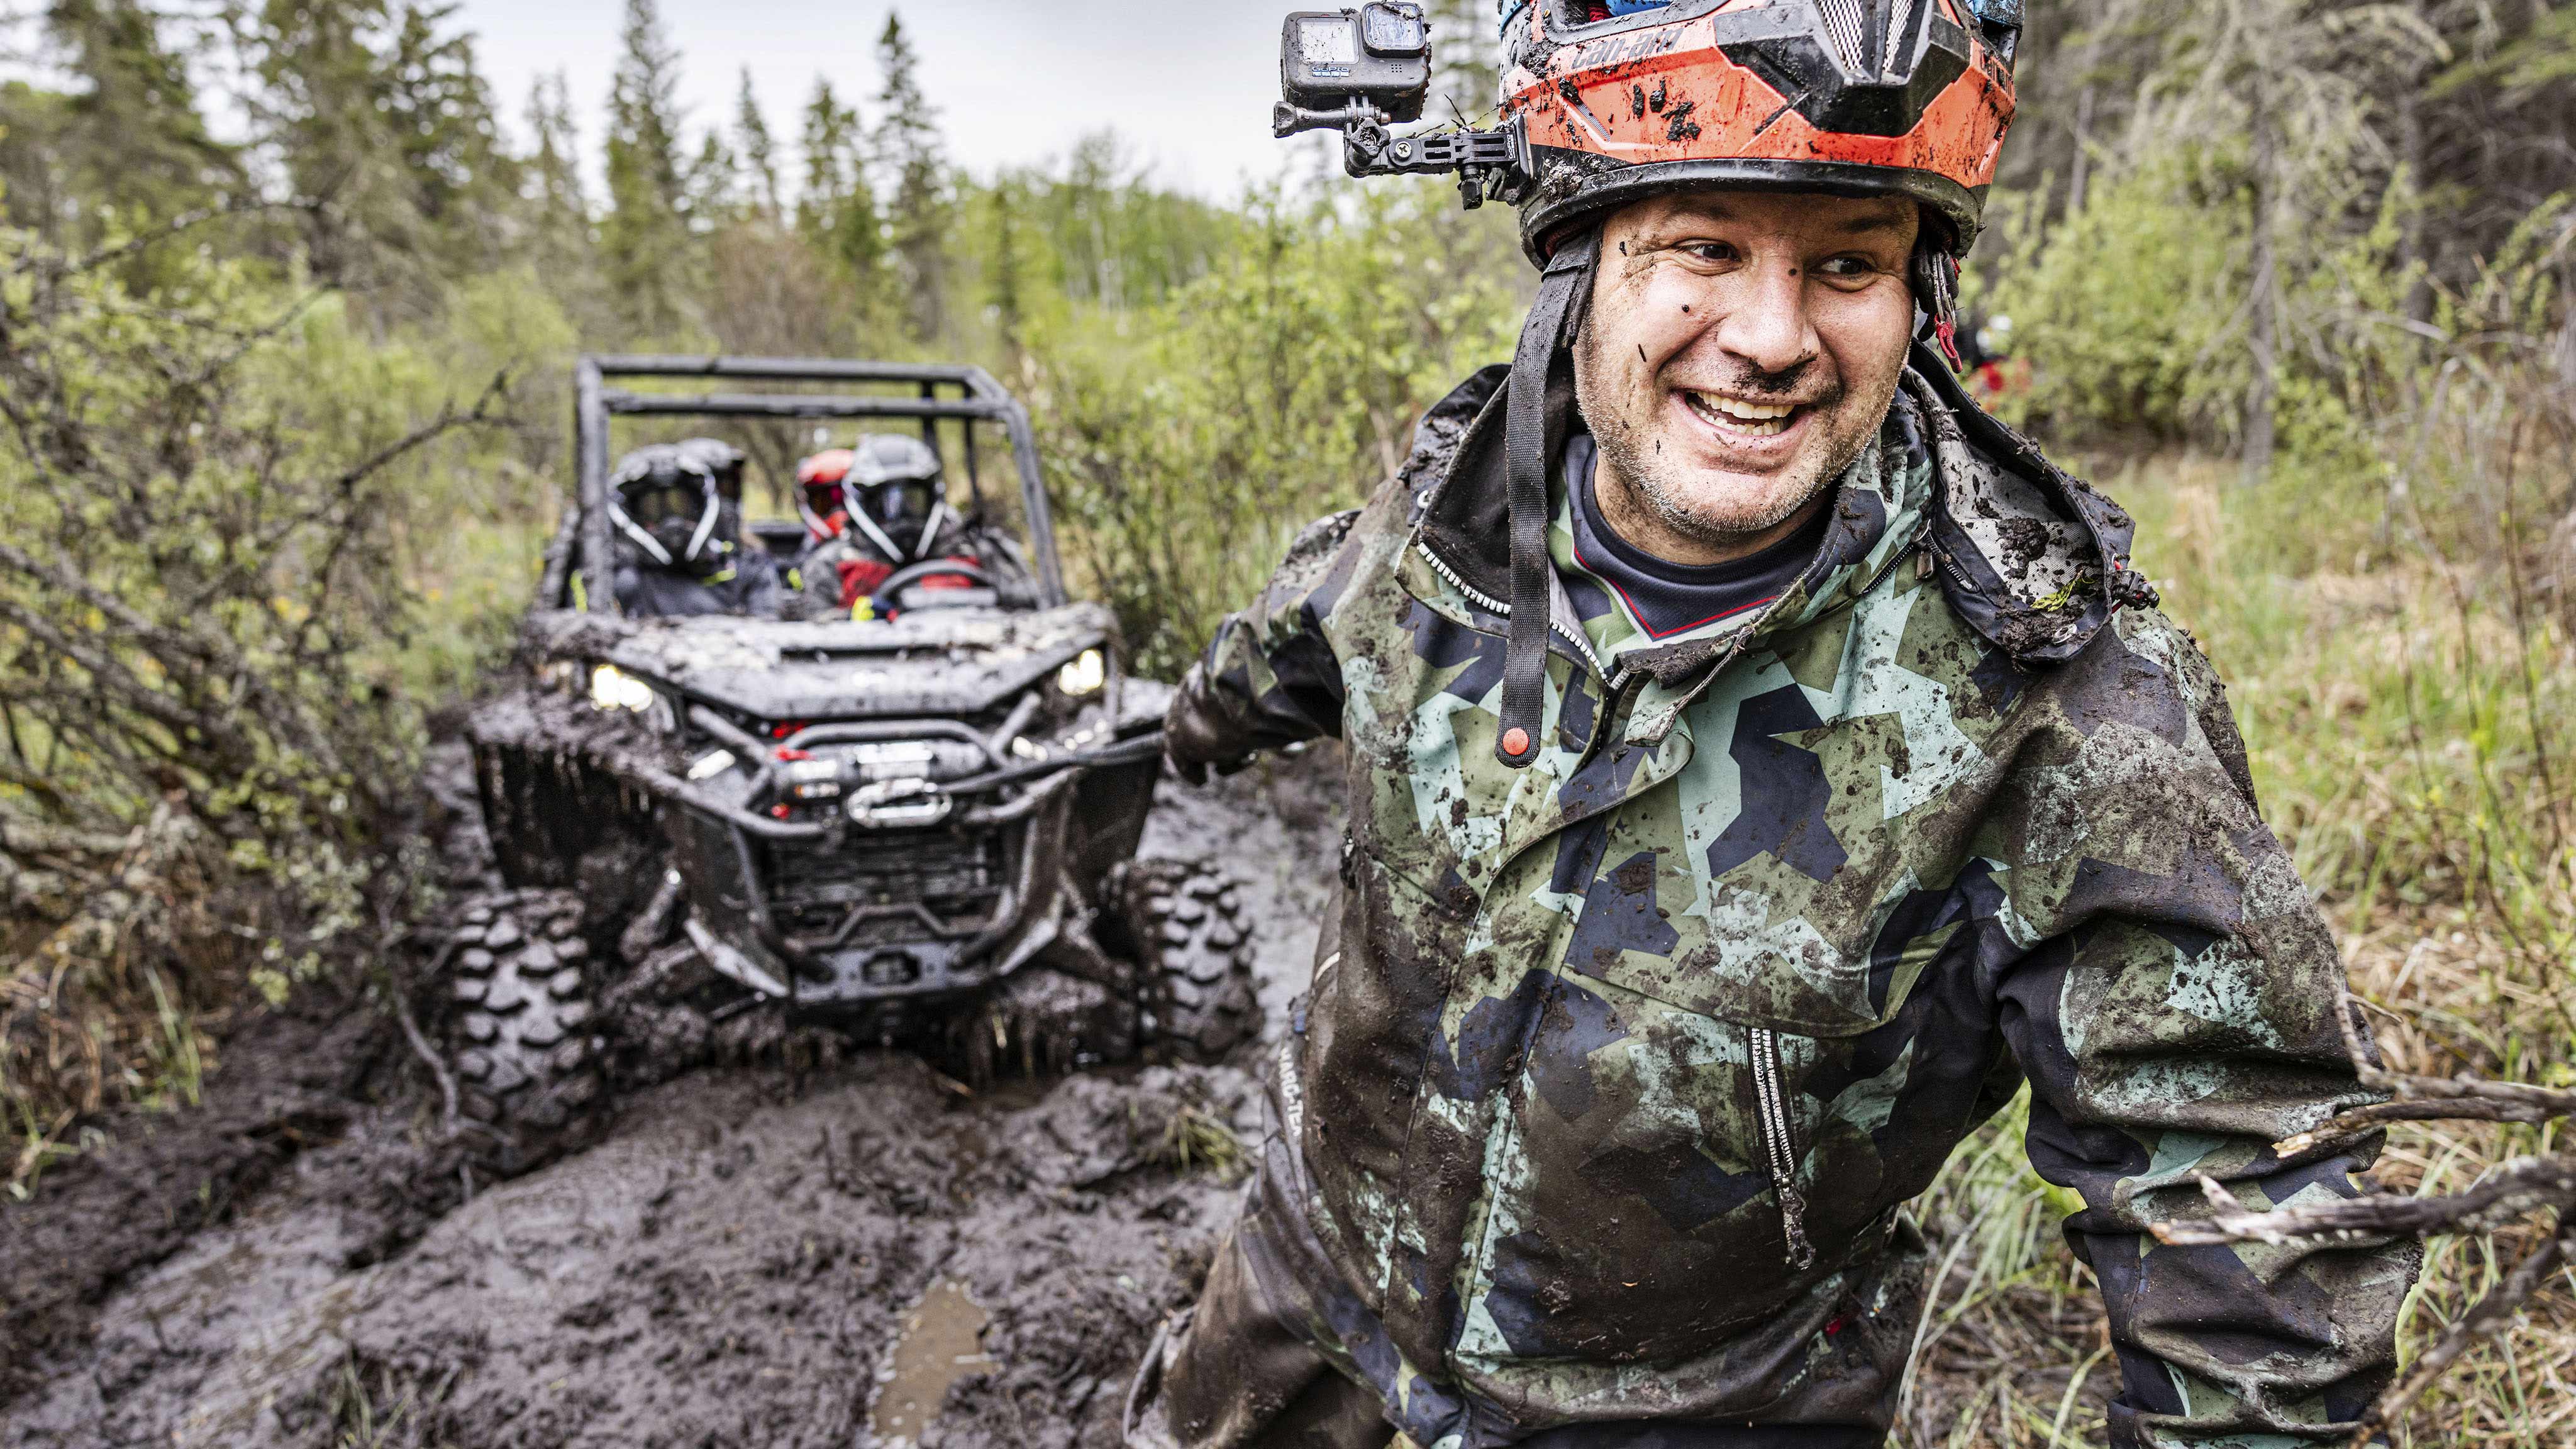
(1761, 764)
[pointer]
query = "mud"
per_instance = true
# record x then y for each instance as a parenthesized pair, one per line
(871, 1255)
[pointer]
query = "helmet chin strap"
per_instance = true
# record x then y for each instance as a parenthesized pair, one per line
(814, 522)
(706, 523)
(643, 540)
(1552, 320)
(930, 528)
(1936, 291)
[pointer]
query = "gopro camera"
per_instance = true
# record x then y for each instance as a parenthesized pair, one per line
(1378, 56)
(1360, 71)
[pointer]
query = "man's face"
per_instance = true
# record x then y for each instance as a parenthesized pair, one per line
(1742, 349)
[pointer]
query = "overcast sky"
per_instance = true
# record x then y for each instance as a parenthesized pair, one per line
(1187, 83)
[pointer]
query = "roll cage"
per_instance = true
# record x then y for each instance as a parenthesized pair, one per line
(584, 550)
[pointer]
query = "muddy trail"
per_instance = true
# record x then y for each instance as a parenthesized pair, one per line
(865, 1254)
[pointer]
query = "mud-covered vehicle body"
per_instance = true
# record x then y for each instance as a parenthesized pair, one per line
(912, 827)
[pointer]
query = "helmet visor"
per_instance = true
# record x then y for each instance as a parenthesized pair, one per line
(904, 502)
(656, 501)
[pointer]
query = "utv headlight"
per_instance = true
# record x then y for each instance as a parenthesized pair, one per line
(1085, 675)
(614, 688)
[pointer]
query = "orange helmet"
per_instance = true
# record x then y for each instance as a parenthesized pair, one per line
(1623, 99)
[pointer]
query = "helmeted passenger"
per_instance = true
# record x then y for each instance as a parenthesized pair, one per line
(876, 508)
(680, 545)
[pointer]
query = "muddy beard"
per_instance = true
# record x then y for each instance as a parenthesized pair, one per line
(1678, 495)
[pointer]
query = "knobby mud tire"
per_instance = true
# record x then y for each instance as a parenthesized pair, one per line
(528, 1064)
(1186, 922)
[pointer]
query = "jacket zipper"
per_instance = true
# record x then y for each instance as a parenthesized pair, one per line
(1781, 1149)
(1492, 605)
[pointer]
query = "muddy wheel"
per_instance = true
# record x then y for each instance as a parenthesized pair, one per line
(1185, 924)
(527, 1063)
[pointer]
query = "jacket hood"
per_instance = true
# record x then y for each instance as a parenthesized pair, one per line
(2035, 561)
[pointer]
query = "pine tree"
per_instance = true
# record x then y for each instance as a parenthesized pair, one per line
(644, 242)
(554, 166)
(716, 197)
(759, 153)
(836, 211)
(462, 179)
(908, 159)
(559, 244)
(320, 112)
(1007, 279)
(128, 135)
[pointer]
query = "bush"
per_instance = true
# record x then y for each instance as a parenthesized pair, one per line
(1189, 442)
(223, 499)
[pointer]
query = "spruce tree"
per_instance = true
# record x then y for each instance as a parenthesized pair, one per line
(908, 159)
(837, 210)
(560, 244)
(759, 153)
(318, 112)
(377, 117)
(463, 181)
(643, 240)
(126, 136)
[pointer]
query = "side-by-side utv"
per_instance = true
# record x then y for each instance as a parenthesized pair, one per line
(920, 827)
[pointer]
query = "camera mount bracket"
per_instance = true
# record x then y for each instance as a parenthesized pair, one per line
(1490, 165)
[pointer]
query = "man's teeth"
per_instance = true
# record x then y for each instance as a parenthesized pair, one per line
(1737, 416)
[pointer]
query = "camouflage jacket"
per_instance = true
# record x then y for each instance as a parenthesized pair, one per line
(1618, 1069)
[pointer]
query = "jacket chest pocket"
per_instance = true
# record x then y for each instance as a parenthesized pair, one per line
(1782, 952)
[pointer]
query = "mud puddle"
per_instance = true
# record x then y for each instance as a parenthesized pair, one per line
(942, 1343)
(863, 1257)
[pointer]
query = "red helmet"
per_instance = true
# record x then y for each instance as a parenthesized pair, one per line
(1624, 99)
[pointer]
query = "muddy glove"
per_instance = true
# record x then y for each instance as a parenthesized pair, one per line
(1197, 735)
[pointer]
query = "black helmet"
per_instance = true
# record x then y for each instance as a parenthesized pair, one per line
(671, 500)
(894, 494)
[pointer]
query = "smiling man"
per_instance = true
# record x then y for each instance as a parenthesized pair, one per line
(1761, 765)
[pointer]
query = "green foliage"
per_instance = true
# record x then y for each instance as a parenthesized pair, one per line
(908, 157)
(224, 500)
(643, 238)
(127, 137)
(1280, 386)
(2245, 224)
(2119, 306)
(836, 209)
(384, 133)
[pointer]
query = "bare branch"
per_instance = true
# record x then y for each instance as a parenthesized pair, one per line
(2361, 1122)
(2524, 1185)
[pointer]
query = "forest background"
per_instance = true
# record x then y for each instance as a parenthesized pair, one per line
(283, 431)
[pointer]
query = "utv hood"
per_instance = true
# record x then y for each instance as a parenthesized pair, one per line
(935, 662)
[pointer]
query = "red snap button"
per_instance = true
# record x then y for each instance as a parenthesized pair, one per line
(1516, 742)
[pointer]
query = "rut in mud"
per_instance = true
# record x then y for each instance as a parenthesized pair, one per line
(866, 1255)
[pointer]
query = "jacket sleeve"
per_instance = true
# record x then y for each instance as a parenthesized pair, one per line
(2173, 1008)
(1269, 678)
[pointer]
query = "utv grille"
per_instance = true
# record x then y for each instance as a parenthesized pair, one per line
(888, 887)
